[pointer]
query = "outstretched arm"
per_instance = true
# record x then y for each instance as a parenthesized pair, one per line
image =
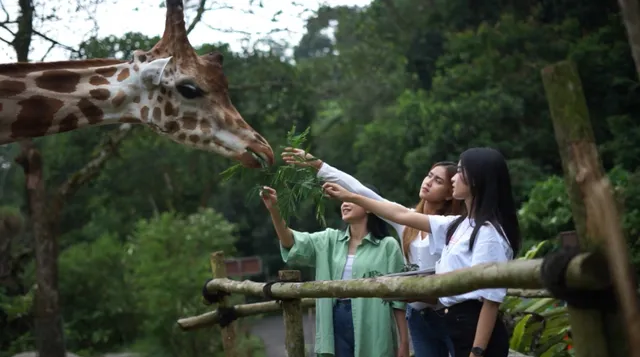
(385, 209)
(269, 197)
(329, 173)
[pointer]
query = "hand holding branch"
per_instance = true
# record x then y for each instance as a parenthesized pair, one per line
(299, 157)
(337, 192)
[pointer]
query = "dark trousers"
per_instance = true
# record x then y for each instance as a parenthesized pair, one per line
(344, 340)
(428, 333)
(461, 321)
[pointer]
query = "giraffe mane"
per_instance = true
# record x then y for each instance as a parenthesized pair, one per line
(22, 68)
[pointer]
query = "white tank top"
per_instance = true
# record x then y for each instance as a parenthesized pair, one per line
(346, 275)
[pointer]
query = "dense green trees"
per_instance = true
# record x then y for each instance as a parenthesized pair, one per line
(398, 86)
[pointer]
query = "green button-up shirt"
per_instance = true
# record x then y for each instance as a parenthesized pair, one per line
(373, 320)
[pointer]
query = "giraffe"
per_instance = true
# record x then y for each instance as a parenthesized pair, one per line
(171, 89)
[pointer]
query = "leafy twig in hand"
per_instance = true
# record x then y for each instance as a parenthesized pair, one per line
(293, 183)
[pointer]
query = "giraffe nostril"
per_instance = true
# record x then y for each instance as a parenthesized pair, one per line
(260, 139)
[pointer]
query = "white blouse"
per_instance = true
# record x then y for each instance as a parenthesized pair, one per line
(421, 251)
(489, 247)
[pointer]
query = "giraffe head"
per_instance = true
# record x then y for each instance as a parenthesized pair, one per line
(187, 97)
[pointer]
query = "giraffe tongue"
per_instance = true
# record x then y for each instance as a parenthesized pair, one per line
(263, 162)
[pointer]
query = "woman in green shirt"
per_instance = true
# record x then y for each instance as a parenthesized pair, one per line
(359, 327)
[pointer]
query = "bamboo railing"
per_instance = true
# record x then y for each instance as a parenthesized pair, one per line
(297, 295)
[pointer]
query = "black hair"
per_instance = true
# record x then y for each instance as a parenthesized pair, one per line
(486, 173)
(377, 227)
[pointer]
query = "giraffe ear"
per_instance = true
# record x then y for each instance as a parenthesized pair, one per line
(152, 72)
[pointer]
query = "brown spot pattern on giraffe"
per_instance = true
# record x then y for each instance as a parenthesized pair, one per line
(171, 127)
(100, 94)
(194, 138)
(21, 69)
(124, 74)
(118, 99)
(205, 126)
(188, 122)
(168, 109)
(136, 99)
(159, 99)
(9, 88)
(98, 80)
(157, 114)
(144, 113)
(35, 116)
(92, 112)
(182, 137)
(107, 72)
(58, 80)
(69, 123)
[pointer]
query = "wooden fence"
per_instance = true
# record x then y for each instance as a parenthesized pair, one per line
(604, 263)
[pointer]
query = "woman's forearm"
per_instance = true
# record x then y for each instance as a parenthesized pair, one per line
(401, 322)
(486, 322)
(284, 233)
(393, 212)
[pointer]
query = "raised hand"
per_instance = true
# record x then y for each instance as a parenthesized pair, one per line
(300, 158)
(336, 191)
(269, 197)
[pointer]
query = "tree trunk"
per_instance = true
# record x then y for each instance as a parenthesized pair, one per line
(49, 333)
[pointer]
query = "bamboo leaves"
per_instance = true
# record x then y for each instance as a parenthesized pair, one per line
(293, 183)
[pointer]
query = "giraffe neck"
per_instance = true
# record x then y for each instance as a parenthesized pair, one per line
(38, 99)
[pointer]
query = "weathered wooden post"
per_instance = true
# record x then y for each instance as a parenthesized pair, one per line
(596, 334)
(630, 11)
(218, 270)
(292, 314)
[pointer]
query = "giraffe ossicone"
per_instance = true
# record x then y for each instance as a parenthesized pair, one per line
(169, 88)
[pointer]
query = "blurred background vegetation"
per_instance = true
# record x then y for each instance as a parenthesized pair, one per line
(397, 86)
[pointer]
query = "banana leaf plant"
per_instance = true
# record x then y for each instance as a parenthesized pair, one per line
(539, 326)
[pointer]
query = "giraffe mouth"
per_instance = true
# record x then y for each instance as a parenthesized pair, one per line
(260, 157)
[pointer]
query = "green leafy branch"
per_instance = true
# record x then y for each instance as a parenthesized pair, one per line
(293, 183)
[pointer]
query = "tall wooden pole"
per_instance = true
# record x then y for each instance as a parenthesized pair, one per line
(630, 11)
(292, 314)
(218, 270)
(595, 333)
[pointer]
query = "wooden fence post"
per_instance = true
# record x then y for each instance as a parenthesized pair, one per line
(630, 11)
(218, 270)
(292, 314)
(595, 333)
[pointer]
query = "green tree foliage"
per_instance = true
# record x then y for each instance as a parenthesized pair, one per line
(387, 90)
(540, 326)
(168, 259)
(132, 294)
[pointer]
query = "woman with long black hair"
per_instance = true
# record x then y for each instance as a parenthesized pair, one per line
(488, 233)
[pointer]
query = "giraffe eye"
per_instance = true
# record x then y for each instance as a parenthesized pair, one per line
(189, 91)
